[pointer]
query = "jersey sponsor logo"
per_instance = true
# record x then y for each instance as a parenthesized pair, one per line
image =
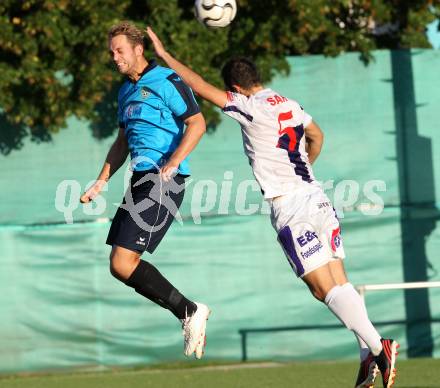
(306, 239)
(133, 110)
(145, 93)
(276, 99)
(323, 204)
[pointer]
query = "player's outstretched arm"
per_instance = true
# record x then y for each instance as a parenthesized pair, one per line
(115, 158)
(314, 140)
(192, 79)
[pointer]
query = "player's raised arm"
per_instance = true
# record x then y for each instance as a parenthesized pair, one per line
(192, 79)
(314, 139)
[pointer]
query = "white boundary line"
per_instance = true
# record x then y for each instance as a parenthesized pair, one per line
(395, 286)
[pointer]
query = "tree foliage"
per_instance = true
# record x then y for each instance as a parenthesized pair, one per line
(54, 59)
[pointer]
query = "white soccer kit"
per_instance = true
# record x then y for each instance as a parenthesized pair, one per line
(272, 128)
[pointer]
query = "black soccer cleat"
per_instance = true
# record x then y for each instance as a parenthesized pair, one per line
(368, 372)
(386, 361)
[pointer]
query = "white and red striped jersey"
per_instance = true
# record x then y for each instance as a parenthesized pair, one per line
(272, 127)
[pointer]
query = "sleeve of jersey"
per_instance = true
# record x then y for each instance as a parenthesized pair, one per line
(236, 108)
(180, 98)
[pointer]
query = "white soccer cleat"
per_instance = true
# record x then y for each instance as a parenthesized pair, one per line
(194, 328)
(200, 348)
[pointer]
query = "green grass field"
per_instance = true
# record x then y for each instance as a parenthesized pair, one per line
(420, 373)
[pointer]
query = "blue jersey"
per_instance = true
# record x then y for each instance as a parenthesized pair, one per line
(152, 112)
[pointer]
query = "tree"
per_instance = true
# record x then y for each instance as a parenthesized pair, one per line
(54, 62)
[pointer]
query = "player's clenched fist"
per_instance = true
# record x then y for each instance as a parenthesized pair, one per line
(91, 193)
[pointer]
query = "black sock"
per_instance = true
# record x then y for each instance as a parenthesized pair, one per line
(149, 282)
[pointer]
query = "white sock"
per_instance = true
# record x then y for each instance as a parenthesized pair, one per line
(364, 350)
(346, 304)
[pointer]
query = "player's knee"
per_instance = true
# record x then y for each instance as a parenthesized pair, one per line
(319, 294)
(115, 270)
(122, 264)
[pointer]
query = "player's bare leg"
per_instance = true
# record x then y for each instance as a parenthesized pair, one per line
(320, 282)
(338, 271)
(123, 262)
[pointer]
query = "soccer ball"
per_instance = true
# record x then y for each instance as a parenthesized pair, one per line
(215, 13)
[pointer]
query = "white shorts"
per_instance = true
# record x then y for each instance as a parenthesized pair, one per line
(308, 230)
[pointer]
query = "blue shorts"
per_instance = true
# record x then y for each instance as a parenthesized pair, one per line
(147, 211)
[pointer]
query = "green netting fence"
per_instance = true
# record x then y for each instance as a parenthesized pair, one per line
(61, 308)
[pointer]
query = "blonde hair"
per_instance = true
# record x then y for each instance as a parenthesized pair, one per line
(134, 34)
